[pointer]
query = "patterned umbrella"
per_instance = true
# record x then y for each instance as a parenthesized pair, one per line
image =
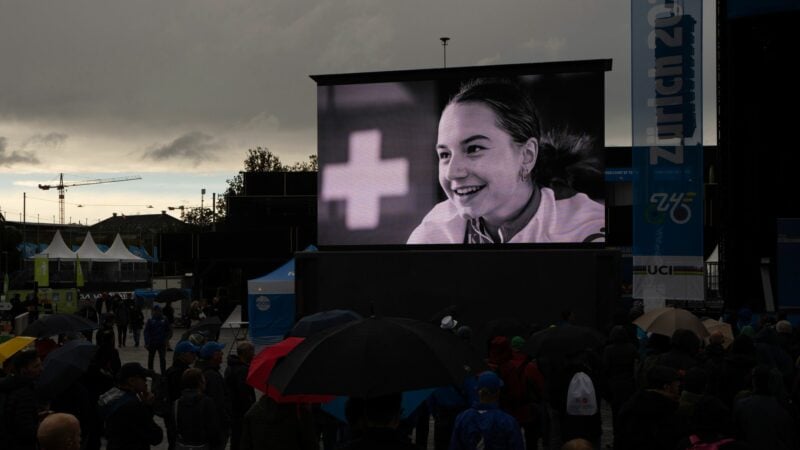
(666, 320)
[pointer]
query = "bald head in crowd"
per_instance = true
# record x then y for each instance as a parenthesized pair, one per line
(59, 432)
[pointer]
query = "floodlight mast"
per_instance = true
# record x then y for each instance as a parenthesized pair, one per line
(444, 49)
(61, 188)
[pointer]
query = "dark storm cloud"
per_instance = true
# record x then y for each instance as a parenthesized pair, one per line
(9, 159)
(194, 146)
(53, 139)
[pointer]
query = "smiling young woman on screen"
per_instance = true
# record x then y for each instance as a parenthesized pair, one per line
(505, 181)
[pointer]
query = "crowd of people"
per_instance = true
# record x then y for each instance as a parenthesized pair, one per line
(663, 392)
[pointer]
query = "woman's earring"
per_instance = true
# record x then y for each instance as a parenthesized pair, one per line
(523, 174)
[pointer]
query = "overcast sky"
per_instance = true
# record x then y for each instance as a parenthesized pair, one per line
(176, 91)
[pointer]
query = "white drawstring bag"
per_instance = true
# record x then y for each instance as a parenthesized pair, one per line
(581, 399)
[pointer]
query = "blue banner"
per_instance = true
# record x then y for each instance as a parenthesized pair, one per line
(667, 150)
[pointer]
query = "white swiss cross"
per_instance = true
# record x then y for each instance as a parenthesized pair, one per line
(364, 179)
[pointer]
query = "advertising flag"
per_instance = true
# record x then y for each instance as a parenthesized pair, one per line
(41, 274)
(667, 153)
(78, 273)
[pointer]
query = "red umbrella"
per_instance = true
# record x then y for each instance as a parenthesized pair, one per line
(262, 365)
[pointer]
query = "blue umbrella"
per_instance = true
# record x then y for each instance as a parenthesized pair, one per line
(411, 400)
(323, 320)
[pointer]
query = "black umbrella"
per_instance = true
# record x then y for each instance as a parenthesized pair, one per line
(54, 324)
(375, 356)
(209, 327)
(170, 295)
(505, 326)
(563, 341)
(322, 320)
(63, 366)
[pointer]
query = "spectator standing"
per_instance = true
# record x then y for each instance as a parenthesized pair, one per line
(381, 419)
(484, 425)
(20, 414)
(649, 419)
(210, 362)
(136, 317)
(195, 414)
(121, 317)
(242, 394)
(288, 426)
(59, 431)
(127, 411)
(762, 421)
(185, 356)
(156, 333)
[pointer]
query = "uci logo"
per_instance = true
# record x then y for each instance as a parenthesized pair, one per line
(263, 303)
(676, 206)
(659, 270)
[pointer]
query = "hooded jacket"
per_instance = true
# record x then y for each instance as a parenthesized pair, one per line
(129, 423)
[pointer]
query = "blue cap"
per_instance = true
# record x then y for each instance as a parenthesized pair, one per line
(186, 347)
(209, 348)
(489, 380)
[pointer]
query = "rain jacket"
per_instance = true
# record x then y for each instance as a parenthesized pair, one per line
(287, 426)
(486, 422)
(19, 414)
(129, 423)
(197, 419)
(156, 331)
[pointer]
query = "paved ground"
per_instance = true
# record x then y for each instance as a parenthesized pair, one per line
(130, 353)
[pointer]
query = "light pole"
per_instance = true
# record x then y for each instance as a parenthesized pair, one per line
(444, 49)
(202, 212)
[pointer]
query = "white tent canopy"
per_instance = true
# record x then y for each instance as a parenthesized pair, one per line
(89, 250)
(118, 252)
(57, 250)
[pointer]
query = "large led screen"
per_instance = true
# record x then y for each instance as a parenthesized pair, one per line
(480, 155)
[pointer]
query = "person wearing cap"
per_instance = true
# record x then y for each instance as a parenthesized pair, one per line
(485, 423)
(650, 418)
(127, 411)
(210, 361)
(156, 336)
(242, 394)
(448, 323)
(185, 356)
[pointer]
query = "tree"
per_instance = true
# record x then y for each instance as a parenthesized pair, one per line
(202, 217)
(260, 160)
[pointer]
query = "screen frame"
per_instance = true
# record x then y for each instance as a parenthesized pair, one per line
(506, 70)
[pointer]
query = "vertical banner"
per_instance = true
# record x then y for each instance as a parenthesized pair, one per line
(41, 271)
(666, 96)
(78, 272)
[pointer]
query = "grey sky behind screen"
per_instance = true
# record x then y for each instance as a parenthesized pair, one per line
(177, 91)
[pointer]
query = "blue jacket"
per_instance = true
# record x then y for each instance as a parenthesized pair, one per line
(499, 430)
(156, 331)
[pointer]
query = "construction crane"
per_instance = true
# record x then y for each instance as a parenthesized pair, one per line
(62, 187)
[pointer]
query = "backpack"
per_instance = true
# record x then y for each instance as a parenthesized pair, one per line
(581, 398)
(697, 444)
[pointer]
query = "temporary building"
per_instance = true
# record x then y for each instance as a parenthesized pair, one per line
(57, 250)
(88, 251)
(271, 304)
(118, 252)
